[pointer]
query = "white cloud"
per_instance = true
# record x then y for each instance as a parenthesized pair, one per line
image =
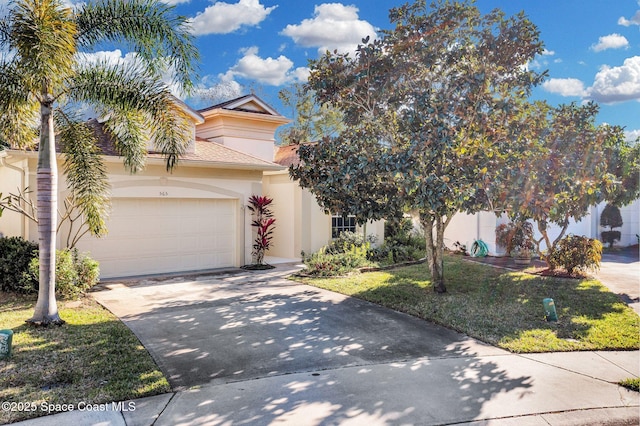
(334, 26)
(565, 86)
(109, 56)
(611, 41)
(634, 20)
(174, 2)
(617, 84)
(610, 84)
(301, 74)
(274, 72)
(213, 91)
(632, 135)
(546, 52)
(223, 18)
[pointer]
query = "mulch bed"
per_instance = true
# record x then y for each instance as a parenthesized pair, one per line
(536, 267)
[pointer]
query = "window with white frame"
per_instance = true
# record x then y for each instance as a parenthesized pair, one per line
(341, 224)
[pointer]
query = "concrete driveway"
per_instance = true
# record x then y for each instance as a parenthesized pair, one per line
(255, 348)
(620, 272)
(240, 326)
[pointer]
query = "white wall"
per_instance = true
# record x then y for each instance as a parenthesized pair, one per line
(12, 179)
(465, 228)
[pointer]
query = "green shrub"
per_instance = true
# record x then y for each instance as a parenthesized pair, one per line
(347, 239)
(398, 229)
(611, 218)
(324, 263)
(610, 237)
(75, 273)
(576, 253)
(15, 255)
(402, 243)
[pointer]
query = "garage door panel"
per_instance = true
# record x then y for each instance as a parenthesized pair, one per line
(148, 236)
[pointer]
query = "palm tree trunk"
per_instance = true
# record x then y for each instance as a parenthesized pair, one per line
(46, 311)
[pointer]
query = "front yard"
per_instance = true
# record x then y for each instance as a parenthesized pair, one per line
(500, 307)
(94, 358)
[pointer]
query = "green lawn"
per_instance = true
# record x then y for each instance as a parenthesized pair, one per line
(93, 358)
(502, 308)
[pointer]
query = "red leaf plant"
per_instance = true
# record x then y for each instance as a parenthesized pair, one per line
(264, 222)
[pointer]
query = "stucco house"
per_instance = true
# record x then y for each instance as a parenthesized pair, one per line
(195, 217)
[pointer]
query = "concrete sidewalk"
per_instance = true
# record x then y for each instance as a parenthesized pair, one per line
(574, 388)
(256, 349)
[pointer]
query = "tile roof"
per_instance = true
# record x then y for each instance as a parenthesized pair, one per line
(288, 155)
(205, 151)
(216, 153)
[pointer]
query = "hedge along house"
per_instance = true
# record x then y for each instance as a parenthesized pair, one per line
(193, 218)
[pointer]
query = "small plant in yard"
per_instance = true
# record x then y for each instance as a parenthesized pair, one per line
(516, 238)
(576, 253)
(19, 268)
(325, 263)
(264, 222)
(16, 254)
(611, 218)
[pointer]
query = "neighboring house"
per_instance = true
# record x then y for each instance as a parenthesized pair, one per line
(194, 218)
(467, 228)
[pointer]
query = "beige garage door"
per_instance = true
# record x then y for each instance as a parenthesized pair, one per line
(150, 236)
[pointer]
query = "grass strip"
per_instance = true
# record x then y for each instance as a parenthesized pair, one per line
(92, 359)
(500, 307)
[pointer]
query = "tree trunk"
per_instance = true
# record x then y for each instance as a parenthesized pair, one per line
(46, 311)
(435, 252)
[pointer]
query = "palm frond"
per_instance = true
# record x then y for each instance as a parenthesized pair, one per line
(131, 93)
(18, 111)
(85, 171)
(43, 34)
(128, 131)
(148, 27)
(5, 32)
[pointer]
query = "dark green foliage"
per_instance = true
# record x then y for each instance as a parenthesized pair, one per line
(611, 218)
(75, 273)
(401, 243)
(576, 253)
(15, 255)
(406, 144)
(610, 237)
(327, 264)
(346, 239)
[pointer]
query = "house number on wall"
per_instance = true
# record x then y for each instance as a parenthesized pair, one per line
(164, 194)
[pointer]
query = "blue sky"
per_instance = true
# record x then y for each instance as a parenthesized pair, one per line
(592, 46)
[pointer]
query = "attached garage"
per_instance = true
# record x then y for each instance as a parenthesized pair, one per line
(158, 235)
(191, 218)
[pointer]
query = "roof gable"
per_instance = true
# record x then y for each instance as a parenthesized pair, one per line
(247, 103)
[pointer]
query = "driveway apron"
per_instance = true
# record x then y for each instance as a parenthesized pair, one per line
(238, 325)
